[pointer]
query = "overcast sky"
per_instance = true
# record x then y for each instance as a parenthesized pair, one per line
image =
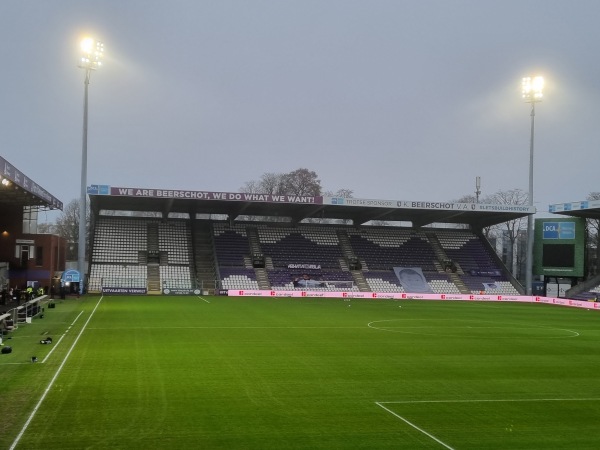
(406, 100)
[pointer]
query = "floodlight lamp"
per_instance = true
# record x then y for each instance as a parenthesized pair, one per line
(93, 51)
(532, 89)
(5, 181)
(87, 45)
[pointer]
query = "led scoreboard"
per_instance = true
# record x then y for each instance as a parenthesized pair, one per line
(559, 247)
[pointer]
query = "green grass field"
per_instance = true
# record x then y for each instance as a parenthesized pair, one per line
(251, 373)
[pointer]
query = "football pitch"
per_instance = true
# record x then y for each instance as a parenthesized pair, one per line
(158, 372)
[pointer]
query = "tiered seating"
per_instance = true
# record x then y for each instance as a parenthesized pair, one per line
(116, 275)
(174, 237)
(115, 254)
(443, 286)
(176, 277)
(238, 278)
(231, 244)
(474, 258)
(385, 248)
(388, 282)
(383, 282)
(466, 249)
(302, 245)
(118, 240)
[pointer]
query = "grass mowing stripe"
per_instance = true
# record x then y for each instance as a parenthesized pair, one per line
(414, 426)
(39, 403)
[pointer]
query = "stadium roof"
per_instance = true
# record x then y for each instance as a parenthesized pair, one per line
(588, 209)
(235, 204)
(17, 189)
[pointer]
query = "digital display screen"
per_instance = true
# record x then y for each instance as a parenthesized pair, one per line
(558, 255)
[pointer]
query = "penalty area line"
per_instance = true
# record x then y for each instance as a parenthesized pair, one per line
(39, 403)
(415, 427)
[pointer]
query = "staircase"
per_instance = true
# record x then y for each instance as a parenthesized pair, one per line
(253, 240)
(153, 259)
(455, 278)
(360, 280)
(349, 255)
(262, 278)
(441, 257)
(206, 273)
(154, 279)
(345, 245)
(152, 243)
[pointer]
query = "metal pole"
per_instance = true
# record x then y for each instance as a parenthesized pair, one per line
(529, 262)
(83, 198)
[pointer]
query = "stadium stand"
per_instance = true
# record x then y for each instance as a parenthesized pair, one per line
(477, 264)
(125, 251)
(137, 252)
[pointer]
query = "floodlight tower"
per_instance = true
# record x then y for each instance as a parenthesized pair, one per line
(532, 88)
(91, 59)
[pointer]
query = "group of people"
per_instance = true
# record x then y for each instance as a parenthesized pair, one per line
(17, 295)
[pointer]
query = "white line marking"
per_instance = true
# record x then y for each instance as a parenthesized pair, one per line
(406, 402)
(39, 403)
(79, 315)
(590, 399)
(414, 426)
(201, 298)
(53, 347)
(230, 328)
(399, 328)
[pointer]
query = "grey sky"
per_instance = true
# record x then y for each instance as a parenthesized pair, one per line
(395, 99)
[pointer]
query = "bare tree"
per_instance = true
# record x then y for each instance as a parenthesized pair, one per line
(67, 224)
(269, 183)
(341, 193)
(302, 182)
(512, 229)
